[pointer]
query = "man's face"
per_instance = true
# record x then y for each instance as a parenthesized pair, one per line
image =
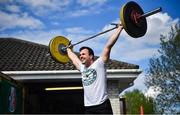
(84, 56)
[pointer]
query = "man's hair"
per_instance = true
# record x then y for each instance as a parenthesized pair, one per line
(91, 52)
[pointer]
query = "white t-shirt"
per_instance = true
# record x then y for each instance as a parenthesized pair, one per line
(94, 80)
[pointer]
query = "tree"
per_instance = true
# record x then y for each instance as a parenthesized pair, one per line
(164, 73)
(135, 99)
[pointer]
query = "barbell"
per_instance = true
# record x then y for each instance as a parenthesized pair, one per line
(133, 20)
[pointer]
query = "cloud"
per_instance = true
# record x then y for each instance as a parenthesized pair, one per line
(56, 9)
(159, 24)
(86, 7)
(36, 36)
(139, 54)
(64, 8)
(138, 84)
(45, 7)
(13, 8)
(77, 30)
(153, 92)
(91, 2)
(51, 4)
(77, 13)
(42, 36)
(15, 20)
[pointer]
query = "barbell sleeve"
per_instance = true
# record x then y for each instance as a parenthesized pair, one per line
(151, 12)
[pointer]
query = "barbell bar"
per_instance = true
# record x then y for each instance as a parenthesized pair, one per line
(91, 37)
(133, 20)
(116, 26)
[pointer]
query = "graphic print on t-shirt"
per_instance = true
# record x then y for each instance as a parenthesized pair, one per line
(88, 76)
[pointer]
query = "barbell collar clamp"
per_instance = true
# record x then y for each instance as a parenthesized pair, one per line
(63, 50)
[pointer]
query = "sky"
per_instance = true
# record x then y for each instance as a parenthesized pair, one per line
(40, 21)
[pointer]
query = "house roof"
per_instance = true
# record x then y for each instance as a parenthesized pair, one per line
(21, 55)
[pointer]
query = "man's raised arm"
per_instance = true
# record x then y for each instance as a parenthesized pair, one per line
(112, 40)
(74, 58)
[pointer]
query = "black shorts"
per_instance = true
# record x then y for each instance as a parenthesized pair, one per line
(104, 108)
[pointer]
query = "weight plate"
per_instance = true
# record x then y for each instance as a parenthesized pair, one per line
(55, 47)
(133, 29)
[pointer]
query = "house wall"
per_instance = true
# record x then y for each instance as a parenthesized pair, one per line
(113, 92)
(115, 87)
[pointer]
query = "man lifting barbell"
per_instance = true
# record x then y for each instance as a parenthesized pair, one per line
(133, 21)
(94, 76)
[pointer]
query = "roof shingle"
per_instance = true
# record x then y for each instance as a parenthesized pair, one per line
(20, 55)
